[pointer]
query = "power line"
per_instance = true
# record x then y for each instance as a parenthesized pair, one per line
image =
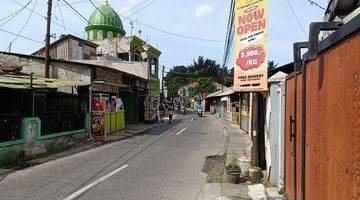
(44, 17)
(132, 14)
(326, 10)
(26, 23)
(73, 3)
(135, 6)
(16, 12)
(297, 19)
(168, 32)
(62, 18)
(79, 14)
(12, 16)
(21, 36)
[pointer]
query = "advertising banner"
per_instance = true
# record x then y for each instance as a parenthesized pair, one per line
(250, 43)
(98, 117)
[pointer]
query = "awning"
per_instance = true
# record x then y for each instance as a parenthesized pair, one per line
(24, 82)
(224, 98)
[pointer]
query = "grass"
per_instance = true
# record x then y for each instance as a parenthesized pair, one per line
(234, 161)
(12, 158)
(219, 177)
(52, 149)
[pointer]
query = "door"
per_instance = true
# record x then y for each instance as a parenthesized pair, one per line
(289, 139)
(293, 137)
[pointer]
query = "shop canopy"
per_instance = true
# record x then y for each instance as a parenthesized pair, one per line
(24, 82)
(221, 93)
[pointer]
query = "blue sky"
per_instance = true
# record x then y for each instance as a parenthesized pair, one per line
(196, 18)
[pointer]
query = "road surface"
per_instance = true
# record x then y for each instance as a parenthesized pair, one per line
(163, 163)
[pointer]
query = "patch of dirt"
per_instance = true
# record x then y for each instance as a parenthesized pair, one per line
(214, 167)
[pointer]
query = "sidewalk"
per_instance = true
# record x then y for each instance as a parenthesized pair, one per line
(129, 130)
(239, 141)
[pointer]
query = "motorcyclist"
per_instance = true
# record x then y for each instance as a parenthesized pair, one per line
(199, 109)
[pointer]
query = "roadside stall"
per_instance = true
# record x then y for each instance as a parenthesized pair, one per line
(105, 90)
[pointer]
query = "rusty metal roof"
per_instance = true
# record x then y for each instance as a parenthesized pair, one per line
(24, 82)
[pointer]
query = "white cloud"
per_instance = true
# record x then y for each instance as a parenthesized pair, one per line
(204, 9)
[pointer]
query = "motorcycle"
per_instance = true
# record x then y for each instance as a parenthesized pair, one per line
(199, 111)
(183, 110)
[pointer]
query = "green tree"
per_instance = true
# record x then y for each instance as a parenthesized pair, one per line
(205, 85)
(204, 71)
(272, 65)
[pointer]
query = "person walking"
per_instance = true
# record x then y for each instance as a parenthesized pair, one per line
(170, 111)
(162, 113)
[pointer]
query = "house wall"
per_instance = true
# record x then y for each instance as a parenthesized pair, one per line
(70, 49)
(275, 132)
(58, 69)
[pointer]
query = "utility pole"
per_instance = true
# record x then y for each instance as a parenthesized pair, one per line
(255, 130)
(47, 40)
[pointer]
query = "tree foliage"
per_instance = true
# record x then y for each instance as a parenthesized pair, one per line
(205, 72)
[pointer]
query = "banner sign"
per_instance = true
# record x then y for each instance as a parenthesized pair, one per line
(98, 108)
(251, 38)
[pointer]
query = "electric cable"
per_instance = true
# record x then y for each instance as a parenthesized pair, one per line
(26, 23)
(168, 32)
(21, 36)
(79, 14)
(73, 3)
(137, 11)
(12, 16)
(16, 12)
(62, 18)
(297, 19)
(44, 17)
(326, 10)
(135, 6)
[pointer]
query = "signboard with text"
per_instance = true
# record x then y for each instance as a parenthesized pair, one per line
(251, 38)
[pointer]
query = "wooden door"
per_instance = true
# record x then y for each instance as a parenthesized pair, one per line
(290, 175)
(293, 137)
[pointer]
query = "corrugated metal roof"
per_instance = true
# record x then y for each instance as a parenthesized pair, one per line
(23, 82)
(220, 93)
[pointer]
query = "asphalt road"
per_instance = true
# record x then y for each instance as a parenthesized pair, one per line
(163, 163)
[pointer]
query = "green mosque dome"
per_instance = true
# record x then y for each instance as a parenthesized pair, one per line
(104, 22)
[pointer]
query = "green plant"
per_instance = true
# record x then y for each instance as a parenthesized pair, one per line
(234, 161)
(11, 158)
(52, 149)
(219, 177)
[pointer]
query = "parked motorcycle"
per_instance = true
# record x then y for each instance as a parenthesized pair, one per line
(183, 110)
(199, 112)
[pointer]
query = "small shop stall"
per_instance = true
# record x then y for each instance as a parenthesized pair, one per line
(104, 98)
(114, 116)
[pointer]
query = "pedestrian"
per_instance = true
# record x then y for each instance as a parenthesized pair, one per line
(170, 111)
(162, 113)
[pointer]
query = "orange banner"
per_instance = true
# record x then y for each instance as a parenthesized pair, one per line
(251, 41)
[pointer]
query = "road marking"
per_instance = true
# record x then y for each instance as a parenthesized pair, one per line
(192, 119)
(181, 131)
(84, 189)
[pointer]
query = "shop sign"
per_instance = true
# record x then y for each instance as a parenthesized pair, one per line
(251, 41)
(108, 76)
(105, 88)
